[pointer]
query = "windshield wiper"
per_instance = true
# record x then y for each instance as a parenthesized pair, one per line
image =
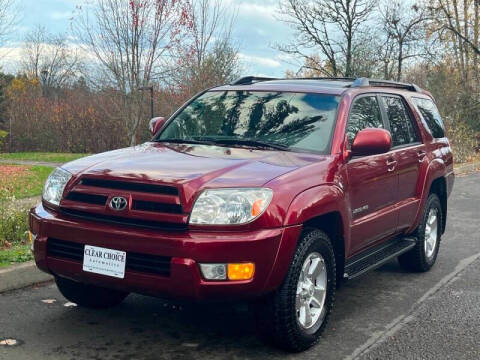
(250, 142)
(186, 141)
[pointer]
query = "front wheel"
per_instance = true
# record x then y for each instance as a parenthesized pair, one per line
(423, 256)
(294, 317)
(89, 296)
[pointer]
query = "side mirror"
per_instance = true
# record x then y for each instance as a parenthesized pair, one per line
(371, 141)
(156, 124)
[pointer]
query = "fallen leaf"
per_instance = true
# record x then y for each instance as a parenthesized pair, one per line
(191, 345)
(49, 301)
(8, 342)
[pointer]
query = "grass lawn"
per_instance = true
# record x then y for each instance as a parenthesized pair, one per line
(17, 253)
(23, 181)
(41, 156)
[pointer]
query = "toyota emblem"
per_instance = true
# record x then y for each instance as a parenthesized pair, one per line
(118, 203)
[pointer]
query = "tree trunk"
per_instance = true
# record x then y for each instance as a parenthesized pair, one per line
(400, 61)
(348, 66)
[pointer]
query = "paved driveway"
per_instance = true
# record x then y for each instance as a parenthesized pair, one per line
(387, 314)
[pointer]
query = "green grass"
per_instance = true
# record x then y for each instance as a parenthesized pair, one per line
(28, 183)
(18, 253)
(42, 156)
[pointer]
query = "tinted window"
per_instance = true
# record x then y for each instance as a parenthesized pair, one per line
(296, 120)
(365, 113)
(432, 117)
(401, 127)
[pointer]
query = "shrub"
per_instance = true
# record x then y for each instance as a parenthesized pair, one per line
(3, 137)
(463, 141)
(13, 222)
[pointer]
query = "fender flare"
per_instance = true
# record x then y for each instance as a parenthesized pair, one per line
(311, 203)
(436, 169)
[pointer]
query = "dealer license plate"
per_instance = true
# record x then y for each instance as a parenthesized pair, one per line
(104, 261)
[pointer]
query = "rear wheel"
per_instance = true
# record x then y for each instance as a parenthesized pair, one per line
(423, 256)
(89, 296)
(294, 317)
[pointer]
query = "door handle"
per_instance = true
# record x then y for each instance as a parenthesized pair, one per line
(421, 155)
(391, 165)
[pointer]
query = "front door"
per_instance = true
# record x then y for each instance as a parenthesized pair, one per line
(372, 180)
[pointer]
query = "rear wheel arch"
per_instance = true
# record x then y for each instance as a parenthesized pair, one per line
(433, 180)
(439, 187)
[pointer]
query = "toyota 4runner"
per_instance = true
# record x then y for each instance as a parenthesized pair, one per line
(268, 190)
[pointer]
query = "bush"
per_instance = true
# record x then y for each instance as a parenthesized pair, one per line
(463, 141)
(13, 223)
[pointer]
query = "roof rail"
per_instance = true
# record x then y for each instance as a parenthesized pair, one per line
(362, 82)
(246, 80)
(325, 78)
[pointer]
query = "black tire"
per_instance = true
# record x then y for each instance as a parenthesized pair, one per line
(276, 314)
(89, 296)
(416, 260)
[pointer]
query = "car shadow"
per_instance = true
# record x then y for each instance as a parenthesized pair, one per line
(150, 328)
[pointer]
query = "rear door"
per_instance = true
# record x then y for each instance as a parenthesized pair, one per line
(372, 180)
(409, 152)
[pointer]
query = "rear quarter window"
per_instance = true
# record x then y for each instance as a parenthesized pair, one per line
(430, 114)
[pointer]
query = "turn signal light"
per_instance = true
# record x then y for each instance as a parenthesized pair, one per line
(242, 271)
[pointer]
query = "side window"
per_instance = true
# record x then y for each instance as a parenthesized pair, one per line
(401, 126)
(365, 113)
(432, 117)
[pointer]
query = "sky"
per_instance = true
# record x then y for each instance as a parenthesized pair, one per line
(255, 31)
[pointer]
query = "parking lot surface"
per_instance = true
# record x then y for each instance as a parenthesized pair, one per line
(387, 314)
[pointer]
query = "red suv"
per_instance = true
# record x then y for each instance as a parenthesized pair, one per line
(271, 190)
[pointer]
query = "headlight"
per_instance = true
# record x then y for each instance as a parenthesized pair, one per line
(54, 186)
(230, 206)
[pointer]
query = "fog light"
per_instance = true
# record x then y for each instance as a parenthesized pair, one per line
(214, 271)
(242, 271)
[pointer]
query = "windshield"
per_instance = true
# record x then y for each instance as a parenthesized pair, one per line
(285, 120)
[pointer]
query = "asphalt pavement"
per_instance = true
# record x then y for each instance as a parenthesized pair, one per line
(387, 314)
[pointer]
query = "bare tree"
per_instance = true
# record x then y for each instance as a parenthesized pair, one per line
(130, 40)
(207, 56)
(49, 58)
(8, 17)
(403, 24)
(209, 19)
(461, 17)
(330, 27)
(458, 24)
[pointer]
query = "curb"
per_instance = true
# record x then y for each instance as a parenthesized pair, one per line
(21, 275)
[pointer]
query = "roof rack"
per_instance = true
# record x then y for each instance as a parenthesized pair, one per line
(363, 82)
(356, 82)
(326, 78)
(246, 80)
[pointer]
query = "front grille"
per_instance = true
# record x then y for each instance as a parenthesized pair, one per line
(87, 198)
(144, 263)
(152, 206)
(149, 224)
(130, 186)
(156, 207)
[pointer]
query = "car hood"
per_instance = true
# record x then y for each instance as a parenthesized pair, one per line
(195, 165)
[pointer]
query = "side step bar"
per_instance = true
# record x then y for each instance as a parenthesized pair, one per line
(377, 256)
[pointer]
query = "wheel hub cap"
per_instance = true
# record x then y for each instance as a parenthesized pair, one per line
(431, 233)
(311, 291)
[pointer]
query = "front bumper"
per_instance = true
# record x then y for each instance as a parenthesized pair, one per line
(269, 249)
